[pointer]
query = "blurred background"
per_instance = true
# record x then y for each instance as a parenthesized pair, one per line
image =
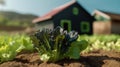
(17, 15)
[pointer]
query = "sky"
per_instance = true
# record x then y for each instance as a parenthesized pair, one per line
(41, 7)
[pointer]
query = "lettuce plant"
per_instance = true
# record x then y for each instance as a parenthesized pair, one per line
(57, 44)
(10, 46)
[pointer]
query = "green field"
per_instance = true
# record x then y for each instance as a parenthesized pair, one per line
(11, 45)
(102, 42)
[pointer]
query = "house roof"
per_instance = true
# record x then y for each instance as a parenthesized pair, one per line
(53, 12)
(100, 13)
(106, 14)
(113, 16)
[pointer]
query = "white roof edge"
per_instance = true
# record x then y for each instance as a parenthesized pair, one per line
(103, 14)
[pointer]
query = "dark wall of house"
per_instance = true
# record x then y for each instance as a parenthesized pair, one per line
(75, 19)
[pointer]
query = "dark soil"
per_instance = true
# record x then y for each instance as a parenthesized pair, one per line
(92, 59)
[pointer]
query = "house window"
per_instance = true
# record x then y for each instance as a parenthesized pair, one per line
(85, 27)
(66, 24)
(75, 11)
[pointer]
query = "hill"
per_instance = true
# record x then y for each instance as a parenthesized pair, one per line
(10, 18)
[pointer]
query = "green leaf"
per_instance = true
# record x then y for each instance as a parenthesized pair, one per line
(75, 49)
(44, 57)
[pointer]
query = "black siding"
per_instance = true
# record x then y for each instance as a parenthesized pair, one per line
(75, 19)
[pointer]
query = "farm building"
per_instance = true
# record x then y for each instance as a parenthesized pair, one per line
(106, 22)
(70, 16)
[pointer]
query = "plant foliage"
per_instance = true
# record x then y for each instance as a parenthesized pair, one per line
(57, 44)
(102, 42)
(11, 45)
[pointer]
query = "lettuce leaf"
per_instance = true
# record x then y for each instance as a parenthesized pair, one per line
(75, 49)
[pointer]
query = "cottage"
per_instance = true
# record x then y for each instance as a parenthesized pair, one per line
(70, 16)
(106, 22)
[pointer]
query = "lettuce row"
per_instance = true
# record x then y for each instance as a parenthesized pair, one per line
(11, 45)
